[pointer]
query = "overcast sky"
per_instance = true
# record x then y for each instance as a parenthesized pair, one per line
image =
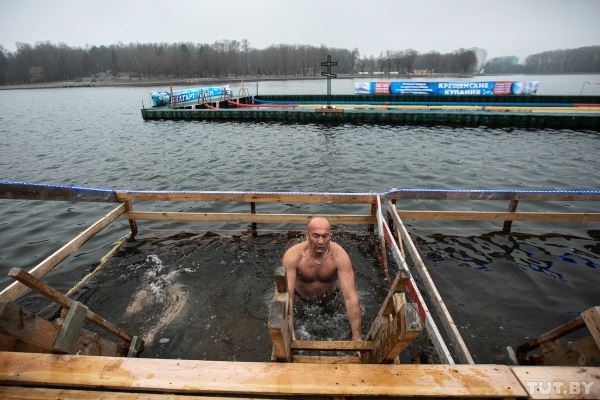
(502, 27)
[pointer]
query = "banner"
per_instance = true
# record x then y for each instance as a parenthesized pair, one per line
(492, 88)
(186, 95)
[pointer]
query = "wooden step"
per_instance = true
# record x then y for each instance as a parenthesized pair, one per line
(255, 378)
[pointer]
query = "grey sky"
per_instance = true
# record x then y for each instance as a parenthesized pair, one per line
(502, 27)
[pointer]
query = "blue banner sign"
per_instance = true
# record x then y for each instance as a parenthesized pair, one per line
(492, 88)
(186, 95)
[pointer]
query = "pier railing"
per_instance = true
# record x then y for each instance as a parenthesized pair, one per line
(401, 249)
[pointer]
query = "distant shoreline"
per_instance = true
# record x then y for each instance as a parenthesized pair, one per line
(128, 82)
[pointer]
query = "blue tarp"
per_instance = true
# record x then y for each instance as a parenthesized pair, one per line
(186, 95)
(448, 88)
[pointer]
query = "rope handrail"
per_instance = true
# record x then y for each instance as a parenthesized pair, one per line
(16, 189)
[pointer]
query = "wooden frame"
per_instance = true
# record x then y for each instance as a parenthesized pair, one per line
(438, 303)
(508, 216)
(248, 217)
(498, 216)
(174, 378)
(16, 289)
(553, 352)
(432, 330)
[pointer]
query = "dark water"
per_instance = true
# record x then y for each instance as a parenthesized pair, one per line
(500, 288)
(206, 296)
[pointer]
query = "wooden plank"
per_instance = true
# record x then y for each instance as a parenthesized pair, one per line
(538, 195)
(399, 300)
(579, 352)
(397, 286)
(382, 249)
(399, 333)
(438, 303)
(71, 328)
(281, 279)
(559, 382)
(562, 330)
(591, 317)
(247, 197)
(10, 343)
(498, 216)
(327, 359)
(248, 217)
(56, 296)
(278, 327)
(16, 289)
(37, 393)
(331, 345)
(35, 331)
(253, 378)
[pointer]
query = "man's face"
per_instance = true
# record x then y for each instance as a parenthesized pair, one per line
(319, 237)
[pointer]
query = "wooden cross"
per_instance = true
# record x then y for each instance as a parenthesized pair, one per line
(329, 75)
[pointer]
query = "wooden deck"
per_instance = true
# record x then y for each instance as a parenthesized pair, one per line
(67, 376)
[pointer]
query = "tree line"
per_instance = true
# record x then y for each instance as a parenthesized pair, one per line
(580, 60)
(49, 62)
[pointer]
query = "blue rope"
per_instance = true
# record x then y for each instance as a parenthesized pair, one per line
(56, 186)
(390, 191)
(524, 191)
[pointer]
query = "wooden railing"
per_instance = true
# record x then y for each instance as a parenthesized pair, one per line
(17, 190)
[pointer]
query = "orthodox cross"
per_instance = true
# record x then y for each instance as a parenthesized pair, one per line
(329, 75)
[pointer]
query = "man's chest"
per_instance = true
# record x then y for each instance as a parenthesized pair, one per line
(310, 272)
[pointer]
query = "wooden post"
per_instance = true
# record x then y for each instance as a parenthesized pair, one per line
(397, 286)
(137, 345)
(71, 328)
(132, 223)
(56, 296)
(281, 279)
(403, 328)
(512, 207)
(591, 317)
(173, 105)
(371, 227)
(253, 211)
(278, 326)
(382, 246)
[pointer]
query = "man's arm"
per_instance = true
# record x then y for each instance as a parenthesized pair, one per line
(289, 263)
(348, 287)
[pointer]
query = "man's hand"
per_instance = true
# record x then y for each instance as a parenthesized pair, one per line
(357, 353)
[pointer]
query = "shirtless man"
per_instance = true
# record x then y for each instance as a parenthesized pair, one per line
(314, 268)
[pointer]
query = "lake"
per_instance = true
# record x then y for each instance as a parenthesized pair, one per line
(500, 288)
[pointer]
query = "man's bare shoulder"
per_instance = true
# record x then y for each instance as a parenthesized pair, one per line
(336, 249)
(340, 255)
(293, 254)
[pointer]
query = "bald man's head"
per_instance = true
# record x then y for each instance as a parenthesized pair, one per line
(319, 223)
(318, 235)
